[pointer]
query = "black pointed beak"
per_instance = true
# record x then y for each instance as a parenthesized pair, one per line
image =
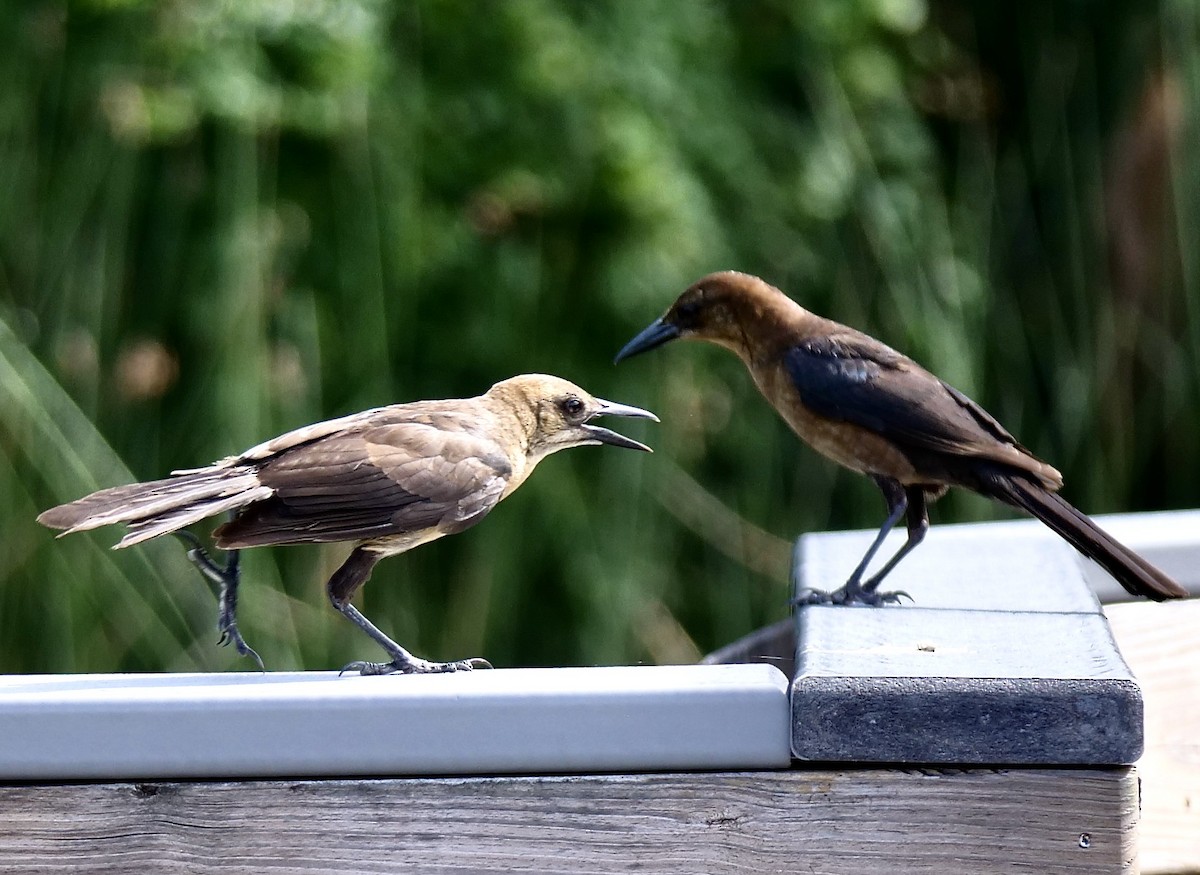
(607, 436)
(655, 334)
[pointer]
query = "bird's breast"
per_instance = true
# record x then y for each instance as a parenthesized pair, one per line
(390, 545)
(522, 467)
(852, 446)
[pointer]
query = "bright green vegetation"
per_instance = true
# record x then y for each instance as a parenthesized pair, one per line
(222, 220)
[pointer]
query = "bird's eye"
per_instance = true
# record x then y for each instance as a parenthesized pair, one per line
(687, 314)
(572, 406)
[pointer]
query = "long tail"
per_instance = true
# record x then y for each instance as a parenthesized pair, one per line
(160, 506)
(1128, 568)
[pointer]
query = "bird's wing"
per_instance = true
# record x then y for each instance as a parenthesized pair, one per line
(853, 378)
(296, 437)
(377, 480)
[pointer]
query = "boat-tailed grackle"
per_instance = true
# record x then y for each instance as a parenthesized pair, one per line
(388, 479)
(875, 411)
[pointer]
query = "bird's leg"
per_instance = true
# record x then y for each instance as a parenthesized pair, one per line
(854, 591)
(226, 578)
(341, 587)
(918, 524)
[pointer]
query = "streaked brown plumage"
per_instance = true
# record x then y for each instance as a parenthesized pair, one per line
(389, 479)
(873, 410)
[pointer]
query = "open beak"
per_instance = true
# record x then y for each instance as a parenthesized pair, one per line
(655, 334)
(607, 436)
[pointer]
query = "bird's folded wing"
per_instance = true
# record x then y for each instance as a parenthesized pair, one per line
(853, 378)
(369, 482)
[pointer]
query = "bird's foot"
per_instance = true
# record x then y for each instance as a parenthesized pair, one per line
(414, 665)
(230, 634)
(849, 595)
(227, 578)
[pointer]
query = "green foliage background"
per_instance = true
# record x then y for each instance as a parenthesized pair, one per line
(221, 220)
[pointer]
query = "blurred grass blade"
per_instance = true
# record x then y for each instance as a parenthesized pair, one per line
(54, 436)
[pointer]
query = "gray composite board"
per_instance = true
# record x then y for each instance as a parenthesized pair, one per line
(316, 723)
(1001, 656)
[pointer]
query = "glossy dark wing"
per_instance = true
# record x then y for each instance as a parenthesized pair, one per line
(854, 378)
(373, 481)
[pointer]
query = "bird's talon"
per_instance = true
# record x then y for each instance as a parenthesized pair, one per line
(849, 595)
(230, 634)
(810, 596)
(246, 650)
(368, 668)
(415, 666)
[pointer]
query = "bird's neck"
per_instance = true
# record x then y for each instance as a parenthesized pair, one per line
(763, 331)
(763, 335)
(515, 418)
(514, 423)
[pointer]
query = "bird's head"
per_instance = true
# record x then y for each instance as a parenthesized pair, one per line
(717, 308)
(558, 414)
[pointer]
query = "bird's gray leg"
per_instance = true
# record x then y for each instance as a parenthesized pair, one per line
(854, 591)
(918, 525)
(341, 588)
(226, 578)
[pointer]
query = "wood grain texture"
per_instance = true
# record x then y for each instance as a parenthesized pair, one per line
(1161, 645)
(837, 821)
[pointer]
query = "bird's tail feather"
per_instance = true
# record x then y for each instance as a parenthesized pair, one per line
(1129, 569)
(159, 507)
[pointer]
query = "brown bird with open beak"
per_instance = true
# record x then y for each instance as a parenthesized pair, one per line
(390, 479)
(878, 412)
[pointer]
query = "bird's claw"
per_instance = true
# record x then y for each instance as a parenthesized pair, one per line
(368, 668)
(226, 578)
(849, 595)
(414, 666)
(231, 635)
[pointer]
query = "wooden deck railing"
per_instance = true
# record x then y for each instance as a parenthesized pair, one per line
(992, 726)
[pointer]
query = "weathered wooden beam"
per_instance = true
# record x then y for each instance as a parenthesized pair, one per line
(858, 821)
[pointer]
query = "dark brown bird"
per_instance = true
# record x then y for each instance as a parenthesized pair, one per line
(878, 412)
(390, 479)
